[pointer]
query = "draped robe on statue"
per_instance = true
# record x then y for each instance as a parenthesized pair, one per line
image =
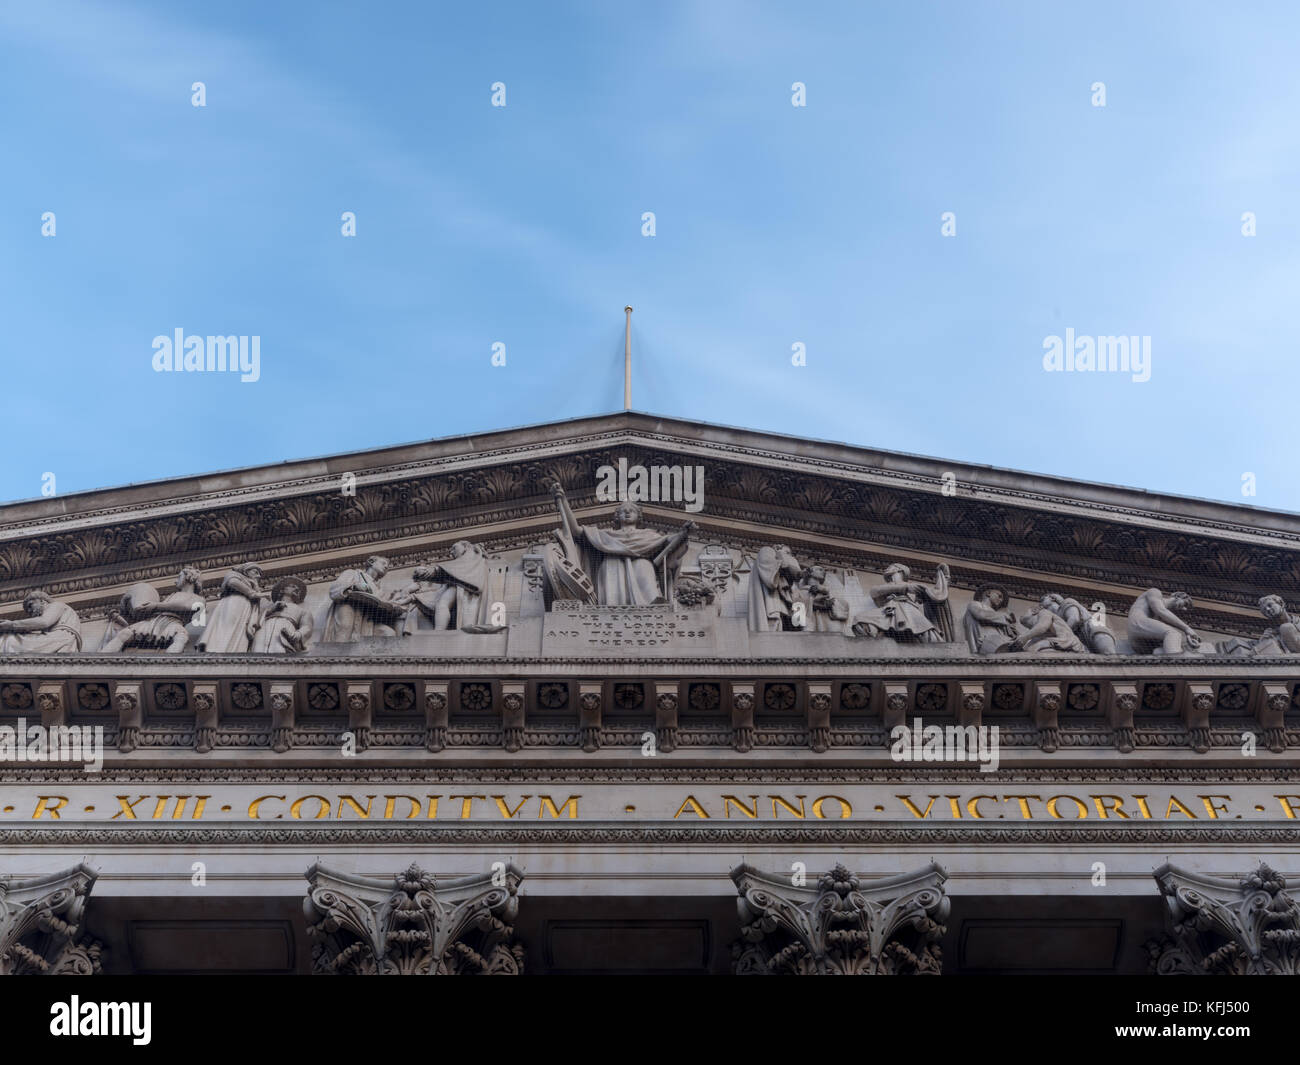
(621, 564)
(468, 574)
(769, 590)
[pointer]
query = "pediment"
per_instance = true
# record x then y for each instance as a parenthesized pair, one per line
(853, 509)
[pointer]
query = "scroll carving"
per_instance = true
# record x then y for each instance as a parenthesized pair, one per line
(841, 927)
(414, 925)
(41, 931)
(1219, 927)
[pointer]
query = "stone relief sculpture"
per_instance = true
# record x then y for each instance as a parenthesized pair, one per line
(717, 566)
(1282, 638)
(694, 593)
(627, 565)
(823, 610)
(1045, 630)
(842, 927)
(908, 610)
(234, 620)
(50, 628)
(458, 599)
(1154, 627)
(286, 624)
(990, 628)
(1092, 632)
(771, 584)
(359, 608)
(147, 622)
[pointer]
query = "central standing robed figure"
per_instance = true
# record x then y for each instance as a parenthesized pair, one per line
(629, 566)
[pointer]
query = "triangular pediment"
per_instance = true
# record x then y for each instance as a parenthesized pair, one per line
(858, 509)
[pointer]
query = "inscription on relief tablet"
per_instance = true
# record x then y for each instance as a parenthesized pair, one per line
(655, 630)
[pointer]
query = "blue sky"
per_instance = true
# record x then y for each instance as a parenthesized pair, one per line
(774, 225)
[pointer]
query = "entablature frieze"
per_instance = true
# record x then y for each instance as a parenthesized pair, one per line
(209, 703)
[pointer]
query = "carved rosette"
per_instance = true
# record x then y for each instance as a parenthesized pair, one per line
(841, 927)
(41, 925)
(413, 925)
(1221, 927)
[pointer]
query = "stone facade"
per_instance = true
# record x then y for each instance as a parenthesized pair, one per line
(581, 725)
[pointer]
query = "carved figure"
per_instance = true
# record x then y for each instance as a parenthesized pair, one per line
(234, 620)
(286, 624)
(1092, 632)
(908, 610)
(824, 611)
(1045, 630)
(359, 607)
(145, 621)
(625, 562)
(50, 628)
(771, 580)
(459, 597)
(1283, 638)
(989, 626)
(1154, 627)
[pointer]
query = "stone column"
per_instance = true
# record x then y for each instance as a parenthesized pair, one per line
(41, 925)
(1220, 927)
(841, 927)
(413, 925)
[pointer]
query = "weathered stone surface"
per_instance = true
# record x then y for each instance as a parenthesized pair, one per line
(843, 926)
(41, 925)
(413, 925)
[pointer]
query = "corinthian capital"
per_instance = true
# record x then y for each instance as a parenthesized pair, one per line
(1221, 927)
(414, 925)
(841, 927)
(40, 925)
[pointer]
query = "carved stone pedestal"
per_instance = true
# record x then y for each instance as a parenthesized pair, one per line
(414, 925)
(840, 927)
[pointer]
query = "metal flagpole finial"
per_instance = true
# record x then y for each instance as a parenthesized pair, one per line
(627, 362)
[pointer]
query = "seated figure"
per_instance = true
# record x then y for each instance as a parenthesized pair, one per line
(458, 598)
(50, 628)
(1283, 638)
(360, 608)
(908, 610)
(148, 622)
(989, 626)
